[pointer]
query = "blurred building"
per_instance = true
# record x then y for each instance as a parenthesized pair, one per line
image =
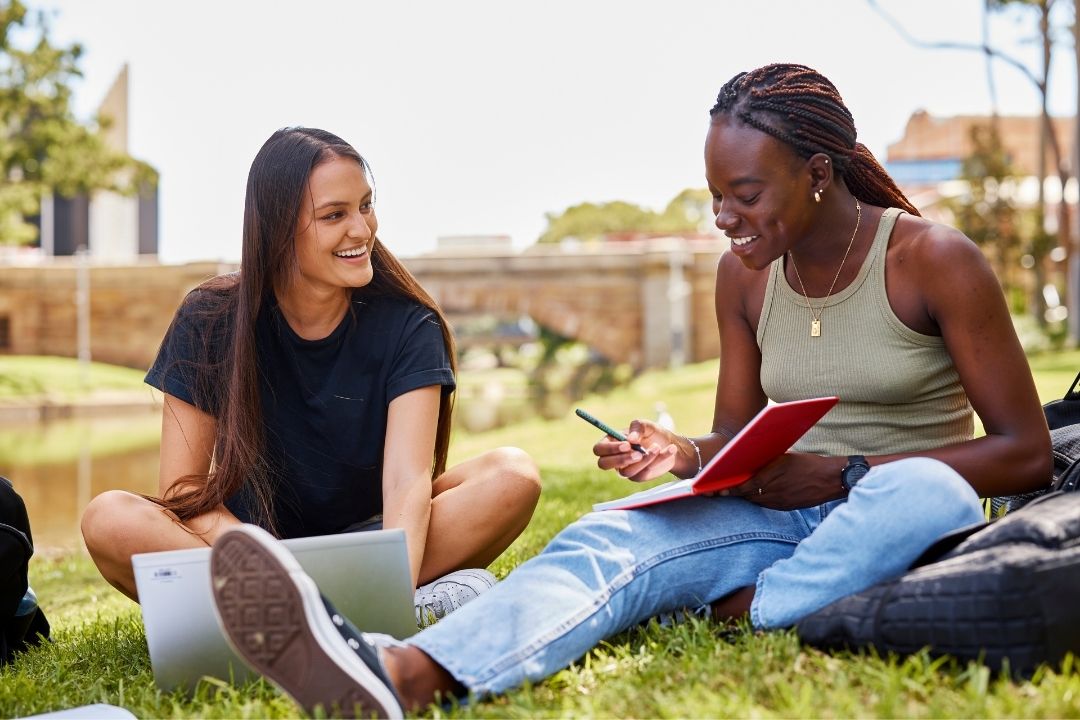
(113, 228)
(474, 244)
(927, 161)
(927, 164)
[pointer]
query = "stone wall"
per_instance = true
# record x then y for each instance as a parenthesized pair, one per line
(622, 299)
(129, 308)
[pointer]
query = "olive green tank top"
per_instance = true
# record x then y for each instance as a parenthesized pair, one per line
(899, 390)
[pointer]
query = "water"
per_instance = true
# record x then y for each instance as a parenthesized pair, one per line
(58, 466)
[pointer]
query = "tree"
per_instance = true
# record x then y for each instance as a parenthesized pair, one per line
(689, 211)
(1041, 242)
(589, 221)
(43, 147)
(986, 213)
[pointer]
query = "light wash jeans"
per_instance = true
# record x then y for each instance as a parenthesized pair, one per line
(611, 570)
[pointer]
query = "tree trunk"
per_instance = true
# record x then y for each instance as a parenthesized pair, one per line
(1038, 245)
(1072, 275)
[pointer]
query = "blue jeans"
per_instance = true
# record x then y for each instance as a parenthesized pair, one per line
(611, 570)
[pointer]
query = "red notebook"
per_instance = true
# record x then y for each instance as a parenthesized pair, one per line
(770, 434)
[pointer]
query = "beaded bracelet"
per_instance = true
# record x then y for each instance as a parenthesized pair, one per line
(698, 451)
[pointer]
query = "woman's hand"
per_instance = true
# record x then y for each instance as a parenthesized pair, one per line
(794, 480)
(618, 455)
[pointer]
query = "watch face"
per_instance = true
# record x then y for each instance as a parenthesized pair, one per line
(857, 472)
(853, 473)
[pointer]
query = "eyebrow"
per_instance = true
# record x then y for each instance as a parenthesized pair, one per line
(333, 203)
(738, 182)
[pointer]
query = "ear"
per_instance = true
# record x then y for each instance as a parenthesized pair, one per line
(821, 172)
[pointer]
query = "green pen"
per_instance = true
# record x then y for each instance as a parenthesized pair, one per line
(609, 430)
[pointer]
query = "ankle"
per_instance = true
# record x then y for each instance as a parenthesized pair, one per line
(416, 677)
(733, 606)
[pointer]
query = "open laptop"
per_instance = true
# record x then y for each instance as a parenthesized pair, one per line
(364, 574)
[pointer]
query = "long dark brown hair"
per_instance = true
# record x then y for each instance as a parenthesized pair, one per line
(229, 305)
(803, 109)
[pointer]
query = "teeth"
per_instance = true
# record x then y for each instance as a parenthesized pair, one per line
(355, 252)
(743, 240)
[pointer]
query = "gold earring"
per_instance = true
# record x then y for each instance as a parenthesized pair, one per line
(817, 196)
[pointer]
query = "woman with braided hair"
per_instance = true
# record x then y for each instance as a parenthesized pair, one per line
(834, 285)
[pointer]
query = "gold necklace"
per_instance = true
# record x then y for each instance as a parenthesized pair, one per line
(815, 324)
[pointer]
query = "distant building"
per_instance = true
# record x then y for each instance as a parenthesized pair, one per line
(474, 243)
(113, 228)
(927, 161)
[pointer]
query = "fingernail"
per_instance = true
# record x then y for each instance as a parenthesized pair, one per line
(635, 456)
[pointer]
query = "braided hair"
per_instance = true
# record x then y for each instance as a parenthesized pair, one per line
(801, 108)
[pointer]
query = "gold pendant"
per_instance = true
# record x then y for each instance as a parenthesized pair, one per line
(815, 328)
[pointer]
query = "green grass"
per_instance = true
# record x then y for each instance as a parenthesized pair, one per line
(691, 670)
(60, 378)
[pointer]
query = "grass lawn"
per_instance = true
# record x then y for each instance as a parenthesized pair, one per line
(60, 378)
(691, 670)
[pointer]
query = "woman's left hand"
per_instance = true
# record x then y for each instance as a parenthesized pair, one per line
(792, 481)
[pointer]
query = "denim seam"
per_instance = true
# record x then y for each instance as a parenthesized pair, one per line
(755, 607)
(617, 584)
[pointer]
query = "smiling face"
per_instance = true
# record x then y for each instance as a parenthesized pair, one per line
(336, 229)
(762, 191)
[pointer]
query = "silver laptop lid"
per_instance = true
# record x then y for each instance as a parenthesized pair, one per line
(364, 574)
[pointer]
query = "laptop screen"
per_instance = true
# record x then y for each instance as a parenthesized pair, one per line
(364, 574)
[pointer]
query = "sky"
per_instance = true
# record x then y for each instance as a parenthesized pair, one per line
(480, 116)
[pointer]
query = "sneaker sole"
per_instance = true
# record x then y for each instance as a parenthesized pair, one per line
(274, 618)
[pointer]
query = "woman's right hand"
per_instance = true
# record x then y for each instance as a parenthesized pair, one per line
(617, 455)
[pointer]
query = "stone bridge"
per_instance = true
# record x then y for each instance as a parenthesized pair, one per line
(647, 303)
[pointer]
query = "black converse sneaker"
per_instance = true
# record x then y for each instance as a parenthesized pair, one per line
(277, 621)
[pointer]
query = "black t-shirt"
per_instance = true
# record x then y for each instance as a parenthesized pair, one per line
(324, 401)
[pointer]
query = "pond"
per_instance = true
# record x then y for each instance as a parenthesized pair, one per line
(58, 465)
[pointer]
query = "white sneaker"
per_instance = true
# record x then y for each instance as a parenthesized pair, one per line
(443, 596)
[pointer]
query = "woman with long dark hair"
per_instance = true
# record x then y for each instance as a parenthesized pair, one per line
(833, 286)
(310, 393)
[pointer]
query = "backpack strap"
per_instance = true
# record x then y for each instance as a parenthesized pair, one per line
(1074, 389)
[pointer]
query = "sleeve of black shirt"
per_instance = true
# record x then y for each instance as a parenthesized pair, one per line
(421, 359)
(189, 352)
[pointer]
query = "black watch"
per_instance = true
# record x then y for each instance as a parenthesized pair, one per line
(854, 471)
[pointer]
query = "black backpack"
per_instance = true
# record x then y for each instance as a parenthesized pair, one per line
(1007, 595)
(21, 624)
(1005, 592)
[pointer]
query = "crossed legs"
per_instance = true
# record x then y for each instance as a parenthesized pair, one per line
(478, 508)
